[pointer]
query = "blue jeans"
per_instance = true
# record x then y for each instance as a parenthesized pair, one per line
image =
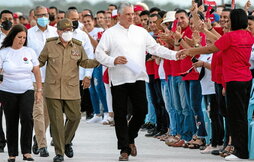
(97, 91)
(150, 116)
(185, 122)
(173, 116)
(166, 95)
(194, 93)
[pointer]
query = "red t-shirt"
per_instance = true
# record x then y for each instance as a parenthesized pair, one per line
(150, 67)
(186, 63)
(156, 70)
(216, 68)
(167, 67)
(236, 47)
(175, 67)
(219, 30)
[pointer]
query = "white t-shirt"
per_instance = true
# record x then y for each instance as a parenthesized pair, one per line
(207, 85)
(252, 58)
(17, 66)
(161, 70)
(94, 33)
(2, 36)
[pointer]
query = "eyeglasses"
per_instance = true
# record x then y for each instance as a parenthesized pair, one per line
(42, 15)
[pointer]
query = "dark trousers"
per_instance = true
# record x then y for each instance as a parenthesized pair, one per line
(159, 105)
(86, 104)
(221, 101)
(238, 95)
(2, 135)
(126, 131)
(18, 107)
(216, 120)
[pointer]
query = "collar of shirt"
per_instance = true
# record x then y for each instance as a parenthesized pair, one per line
(38, 29)
(59, 42)
(123, 28)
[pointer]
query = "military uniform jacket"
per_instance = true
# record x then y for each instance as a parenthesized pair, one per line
(62, 69)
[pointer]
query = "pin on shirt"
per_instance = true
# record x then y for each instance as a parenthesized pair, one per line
(25, 60)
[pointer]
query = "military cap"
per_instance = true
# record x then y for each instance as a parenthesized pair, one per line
(64, 23)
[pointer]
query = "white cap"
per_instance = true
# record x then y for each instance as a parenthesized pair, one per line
(170, 17)
(114, 13)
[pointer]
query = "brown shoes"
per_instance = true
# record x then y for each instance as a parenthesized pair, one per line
(178, 144)
(123, 157)
(133, 149)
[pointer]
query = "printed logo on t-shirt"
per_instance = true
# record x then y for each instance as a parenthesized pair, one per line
(25, 60)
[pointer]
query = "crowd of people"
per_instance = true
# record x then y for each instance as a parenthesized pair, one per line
(130, 67)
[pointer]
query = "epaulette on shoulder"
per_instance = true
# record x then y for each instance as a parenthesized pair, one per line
(78, 42)
(52, 39)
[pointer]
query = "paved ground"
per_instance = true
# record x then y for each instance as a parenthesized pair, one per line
(97, 143)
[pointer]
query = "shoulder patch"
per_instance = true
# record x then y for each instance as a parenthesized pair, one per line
(52, 39)
(78, 42)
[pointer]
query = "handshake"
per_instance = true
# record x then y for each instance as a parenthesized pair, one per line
(180, 55)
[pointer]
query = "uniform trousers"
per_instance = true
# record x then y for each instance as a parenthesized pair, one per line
(18, 107)
(62, 133)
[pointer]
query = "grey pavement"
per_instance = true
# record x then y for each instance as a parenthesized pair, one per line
(97, 143)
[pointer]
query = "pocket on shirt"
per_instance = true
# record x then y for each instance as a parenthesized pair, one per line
(53, 57)
(73, 83)
(76, 57)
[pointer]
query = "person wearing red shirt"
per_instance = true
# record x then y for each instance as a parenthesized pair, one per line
(192, 82)
(217, 77)
(236, 46)
(185, 121)
(155, 89)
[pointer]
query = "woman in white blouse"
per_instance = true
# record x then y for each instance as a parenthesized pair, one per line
(18, 63)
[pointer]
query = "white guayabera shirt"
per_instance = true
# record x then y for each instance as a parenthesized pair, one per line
(133, 43)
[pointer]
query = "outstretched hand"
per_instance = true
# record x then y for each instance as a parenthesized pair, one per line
(180, 55)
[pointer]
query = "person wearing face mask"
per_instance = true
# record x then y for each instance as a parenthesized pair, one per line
(36, 40)
(6, 22)
(63, 55)
(85, 75)
(53, 11)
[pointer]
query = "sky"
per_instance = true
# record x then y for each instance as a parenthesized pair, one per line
(179, 2)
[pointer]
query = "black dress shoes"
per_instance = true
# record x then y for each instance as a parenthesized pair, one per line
(11, 160)
(1, 149)
(58, 158)
(151, 134)
(44, 152)
(28, 158)
(159, 134)
(35, 147)
(68, 151)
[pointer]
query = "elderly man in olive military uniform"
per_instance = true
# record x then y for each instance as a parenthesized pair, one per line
(63, 56)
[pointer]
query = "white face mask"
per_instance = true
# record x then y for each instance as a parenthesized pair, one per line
(67, 36)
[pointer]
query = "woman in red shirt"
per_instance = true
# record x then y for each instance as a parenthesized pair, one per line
(236, 46)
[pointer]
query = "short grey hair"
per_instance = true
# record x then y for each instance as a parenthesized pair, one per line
(122, 5)
(39, 7)
(67, 13)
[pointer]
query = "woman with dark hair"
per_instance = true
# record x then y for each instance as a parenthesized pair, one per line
(236, 47)
(18, 62)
